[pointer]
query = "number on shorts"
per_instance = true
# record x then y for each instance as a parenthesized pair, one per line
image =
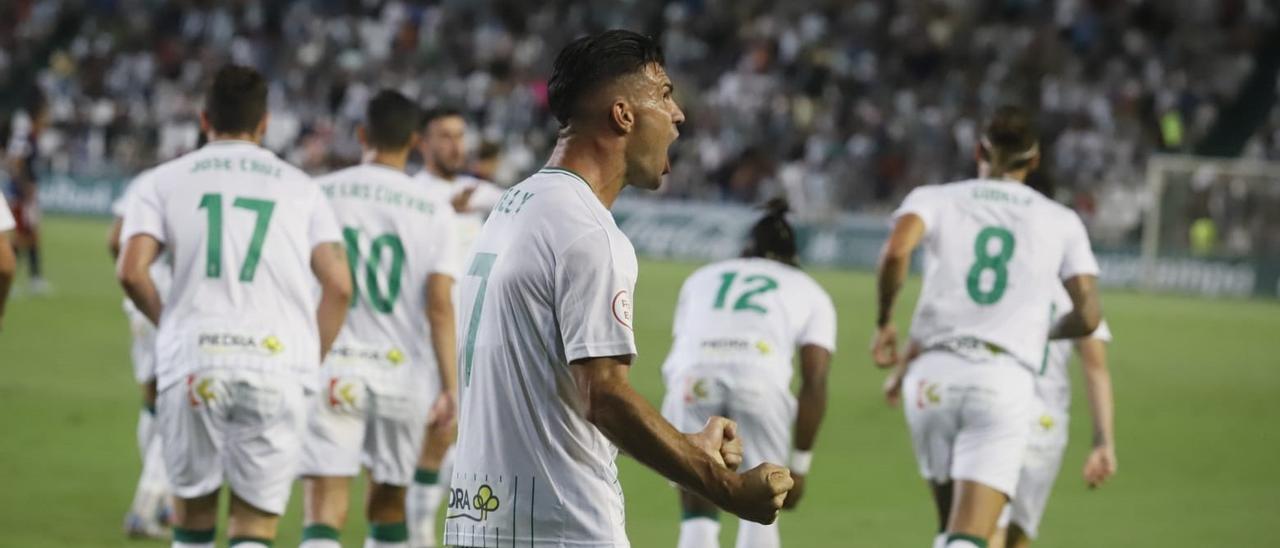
(984, 260)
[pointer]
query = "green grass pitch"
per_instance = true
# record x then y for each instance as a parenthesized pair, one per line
(1198, 400)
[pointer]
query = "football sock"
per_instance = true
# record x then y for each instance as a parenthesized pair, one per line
(387, 535)
(421, 504)
(961, 540)
(192, 538)
(699, 530)
(319, 535)
(755, 535)
(250, 542)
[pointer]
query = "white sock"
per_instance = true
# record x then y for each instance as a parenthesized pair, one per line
(320, 543)
(940, 541)
(421, 503)
(177, 544)
(146, 430)
(961, 543)
(754, 535)
(371, 543)
(699, 533)
(152, 492)
(249, 544)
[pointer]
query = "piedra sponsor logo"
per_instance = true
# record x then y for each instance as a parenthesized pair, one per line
(239, 343)
(464, 505)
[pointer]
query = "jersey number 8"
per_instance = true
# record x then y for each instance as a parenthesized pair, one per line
(984, 260)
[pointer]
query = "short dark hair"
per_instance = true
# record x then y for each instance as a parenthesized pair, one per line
(237, 100)
(1009, 139)
(772, 237)
(591, 61)
(437, 112)
(390, 120)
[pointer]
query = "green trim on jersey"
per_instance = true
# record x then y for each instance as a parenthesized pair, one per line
(563, 171)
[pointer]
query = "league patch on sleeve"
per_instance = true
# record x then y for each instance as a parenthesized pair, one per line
(622, 308)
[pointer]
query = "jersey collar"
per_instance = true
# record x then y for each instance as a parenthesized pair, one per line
(563, 171)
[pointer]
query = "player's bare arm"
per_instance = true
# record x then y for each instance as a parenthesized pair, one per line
(892, 386)
(891, 273)
(1087, 312)
(133, 269)
(8, 266)
(701, 463)
(1101, 463)
(815, 365)
(113, 237)
(444, 343)
(329, 264)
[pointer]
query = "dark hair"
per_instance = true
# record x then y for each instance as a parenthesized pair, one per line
(594, 60)
(390, 120)
(237, 100)
(488, 149)
(772, 236)
(437, 112)
(1009, 140)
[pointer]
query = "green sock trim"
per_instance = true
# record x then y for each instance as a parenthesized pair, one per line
(426, 476)
(389, 532)
(193, 536)
(686, 515)
(980, 542)
(320, 531)
(241, 540)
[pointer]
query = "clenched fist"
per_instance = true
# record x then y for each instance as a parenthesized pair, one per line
(759, 493)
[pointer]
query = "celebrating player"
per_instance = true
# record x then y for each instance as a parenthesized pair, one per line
(737, 325)
(546, 340)
(150, 510)
(241, 332)
(444, 153)
(995, 253)
(382, 376)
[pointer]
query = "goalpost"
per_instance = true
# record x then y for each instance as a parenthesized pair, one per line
(1212, 226)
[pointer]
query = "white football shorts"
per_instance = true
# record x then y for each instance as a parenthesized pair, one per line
(353, 424)
(1048, 442)
(968, 418)
(765, 412)
(241, 427)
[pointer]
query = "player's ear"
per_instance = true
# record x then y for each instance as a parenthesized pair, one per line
(621, 116)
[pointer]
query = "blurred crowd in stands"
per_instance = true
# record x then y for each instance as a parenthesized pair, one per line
(840, 105)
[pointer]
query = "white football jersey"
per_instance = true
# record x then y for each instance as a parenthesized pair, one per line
(486, 196)
(549, 281)
(161, 270)
(1053, 384)
(397, 234)
(240, 224)
(750, 315)
(7, 222)
(995, 253)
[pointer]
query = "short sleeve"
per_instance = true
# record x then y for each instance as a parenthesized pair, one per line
(6, 217)
(1102, 333)
(593, 298)
(323, 227)
(144, 212)
(444, 253)
(923, 202)
(1078, 259)
(820, 329)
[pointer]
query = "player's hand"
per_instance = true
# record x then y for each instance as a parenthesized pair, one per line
(892, 386)
(462, 202)
(719, 439)
(797, 491)
(759, 493)
(1100, 466)
(884, 346)
(444, 411)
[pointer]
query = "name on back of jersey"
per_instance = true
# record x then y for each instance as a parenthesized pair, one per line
(380, 194)
(248, 165)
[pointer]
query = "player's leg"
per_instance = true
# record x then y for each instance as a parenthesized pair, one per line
(690, 400)
(765, 414)
(430, 482)
(395, 431)
(942, 494)
(192, 448)
(264, 437)
(989, 448)
(330, 458)
(149, 513)
(1040, 469)
(932, 419)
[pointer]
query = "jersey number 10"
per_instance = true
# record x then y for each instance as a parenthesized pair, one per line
(380, 300)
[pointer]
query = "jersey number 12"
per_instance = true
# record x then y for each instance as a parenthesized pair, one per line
(763, 284)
